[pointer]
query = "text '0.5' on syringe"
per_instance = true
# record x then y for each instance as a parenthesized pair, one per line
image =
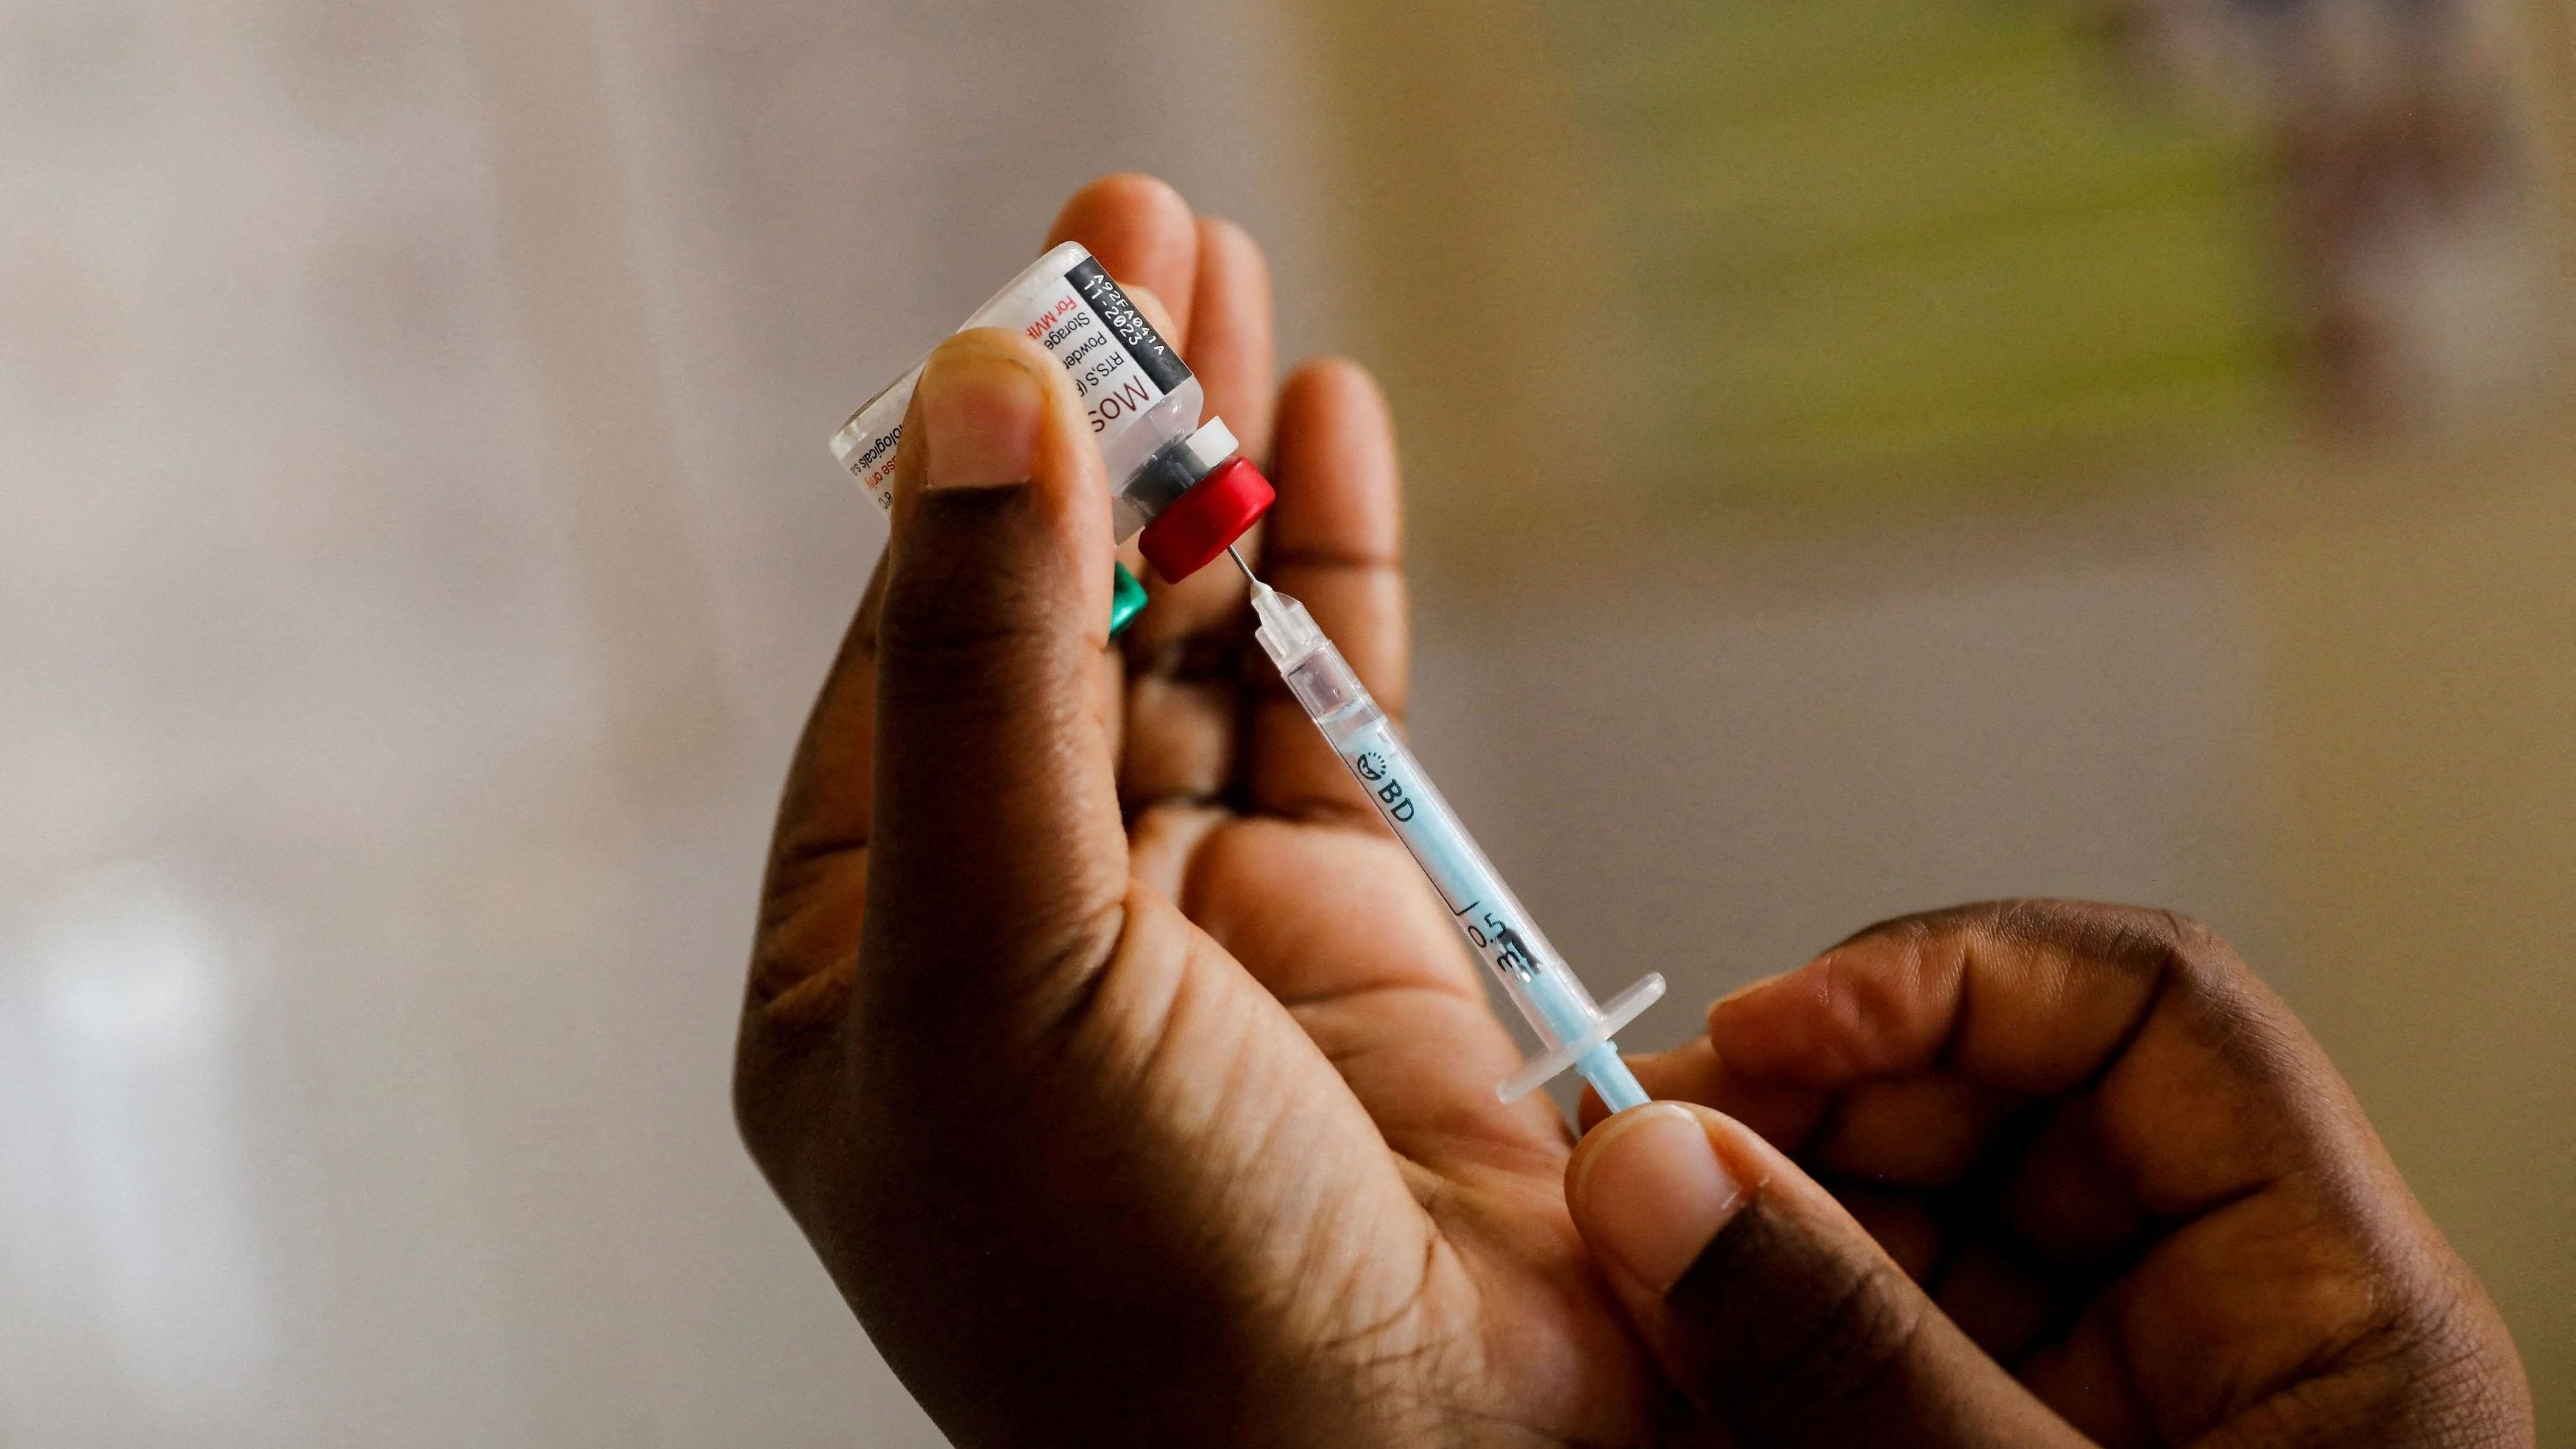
(1572, 1030)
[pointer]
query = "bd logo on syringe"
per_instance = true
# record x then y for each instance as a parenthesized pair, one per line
(1372, 768)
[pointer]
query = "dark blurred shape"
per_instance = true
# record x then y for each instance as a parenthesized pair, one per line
(2401, 166)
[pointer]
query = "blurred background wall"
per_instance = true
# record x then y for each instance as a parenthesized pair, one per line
(1926, 451)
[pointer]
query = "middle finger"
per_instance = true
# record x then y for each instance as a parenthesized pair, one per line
(1184, 654)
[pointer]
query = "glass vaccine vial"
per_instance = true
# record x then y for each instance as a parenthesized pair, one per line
(1180, 482)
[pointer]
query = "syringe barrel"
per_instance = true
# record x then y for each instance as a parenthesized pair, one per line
(1572, 1029)
(1497, 927)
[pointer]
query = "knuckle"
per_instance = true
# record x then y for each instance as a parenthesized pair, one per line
(790, 1106)
(941, 649)
(945, 627)
(758, 1117)
(2420, 1383)
(2134, 939)
(1920, 928)
(2192, 968)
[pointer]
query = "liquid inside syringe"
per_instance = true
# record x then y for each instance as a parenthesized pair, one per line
(1572, 1030)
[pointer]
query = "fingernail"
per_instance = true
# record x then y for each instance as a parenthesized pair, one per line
(1653, 1193)
(980, 417)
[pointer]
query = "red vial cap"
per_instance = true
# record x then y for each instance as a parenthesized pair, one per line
(1194, 528)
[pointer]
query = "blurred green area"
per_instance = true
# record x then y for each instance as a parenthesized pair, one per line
(1887, 246)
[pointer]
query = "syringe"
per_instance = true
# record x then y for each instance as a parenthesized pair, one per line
(1573, 1031)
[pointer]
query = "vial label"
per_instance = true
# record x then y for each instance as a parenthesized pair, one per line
(1119, 364)
(1068, 304)
(866, 444)
(1491, 921)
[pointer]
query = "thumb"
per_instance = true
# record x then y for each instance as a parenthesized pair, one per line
(1770, 1306)
(997, 861)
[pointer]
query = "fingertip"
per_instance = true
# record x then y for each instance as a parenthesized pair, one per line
(1224, 242)
(978, 415)
(1684, 1074)
(1340, 490)
(982, 352)
(1143, 231)
(1233, 339)
(1747, 991)
(1106, 205)
(1784, 1115)
(1818, 1025)
(1745, 1017)
(1651, 1187)
(1598, 1142)
(1332, 386)
(1234, 278)
(990, 379)
(993, 412)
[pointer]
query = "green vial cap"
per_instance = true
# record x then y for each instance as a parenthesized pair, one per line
(1126, 600)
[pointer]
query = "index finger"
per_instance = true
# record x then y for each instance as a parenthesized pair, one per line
(1212, 289)
(2201, 1078)
(1335, 542)
(1145, 234)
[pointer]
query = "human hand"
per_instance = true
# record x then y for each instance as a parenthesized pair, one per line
(2088, 1179)
(1110, 1053)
